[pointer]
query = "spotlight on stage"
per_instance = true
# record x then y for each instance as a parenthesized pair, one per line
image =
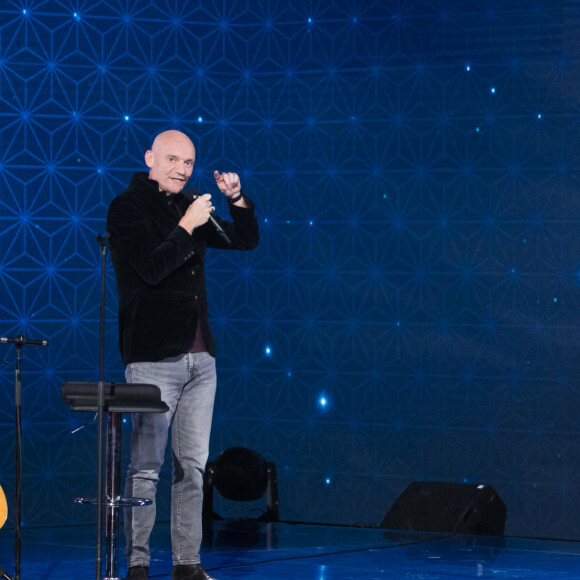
(241, 474)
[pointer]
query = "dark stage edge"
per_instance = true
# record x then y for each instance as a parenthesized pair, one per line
(247, 549)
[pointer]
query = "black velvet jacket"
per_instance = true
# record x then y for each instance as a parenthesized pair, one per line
(160, 269)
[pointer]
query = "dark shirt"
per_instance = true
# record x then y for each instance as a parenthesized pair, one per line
(159, 269)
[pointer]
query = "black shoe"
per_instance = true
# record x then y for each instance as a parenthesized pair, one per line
(190, 572)
(138, 573)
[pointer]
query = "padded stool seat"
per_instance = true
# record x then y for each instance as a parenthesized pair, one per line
(118, 398)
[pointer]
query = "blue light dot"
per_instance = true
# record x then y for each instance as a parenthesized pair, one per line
(200, 119)
(323, 401)
(127, 118)
(477, 129)
(266, 220)
(268, 350)
(309, 20)
(289, 373)
(492, 90)
(328, 481)
(539, 115)
(76, 16)
(24, 11)
(310, 223)
(124, 419)
(468, 68)
(287, 221)
(398, 323)
(555, 299)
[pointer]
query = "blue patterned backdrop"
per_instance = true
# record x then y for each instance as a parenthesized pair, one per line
(413, 311)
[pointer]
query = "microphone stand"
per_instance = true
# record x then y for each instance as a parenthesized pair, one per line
(19, 341)
(18, 458)
(107, 493)
(102, 240)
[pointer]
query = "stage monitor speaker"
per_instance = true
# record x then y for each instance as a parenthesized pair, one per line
(458, 508)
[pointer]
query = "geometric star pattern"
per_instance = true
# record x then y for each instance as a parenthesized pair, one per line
(413, 309)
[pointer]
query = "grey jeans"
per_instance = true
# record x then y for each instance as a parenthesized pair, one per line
(188, 384)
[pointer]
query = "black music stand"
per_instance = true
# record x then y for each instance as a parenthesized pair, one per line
(117, 398)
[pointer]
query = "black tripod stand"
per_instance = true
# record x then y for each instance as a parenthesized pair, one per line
(19, 341)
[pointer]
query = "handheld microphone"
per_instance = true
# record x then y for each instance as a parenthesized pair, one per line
(193, 195)
(21, 341)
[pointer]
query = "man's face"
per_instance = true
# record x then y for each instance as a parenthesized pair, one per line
(170, 161)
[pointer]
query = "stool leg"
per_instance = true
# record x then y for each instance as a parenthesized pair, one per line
(113, 492)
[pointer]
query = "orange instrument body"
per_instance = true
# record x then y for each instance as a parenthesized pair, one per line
(3, 508)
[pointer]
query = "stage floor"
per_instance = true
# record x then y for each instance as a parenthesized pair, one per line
(242, 549)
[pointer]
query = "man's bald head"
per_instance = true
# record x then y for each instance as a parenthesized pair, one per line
(170, 160)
